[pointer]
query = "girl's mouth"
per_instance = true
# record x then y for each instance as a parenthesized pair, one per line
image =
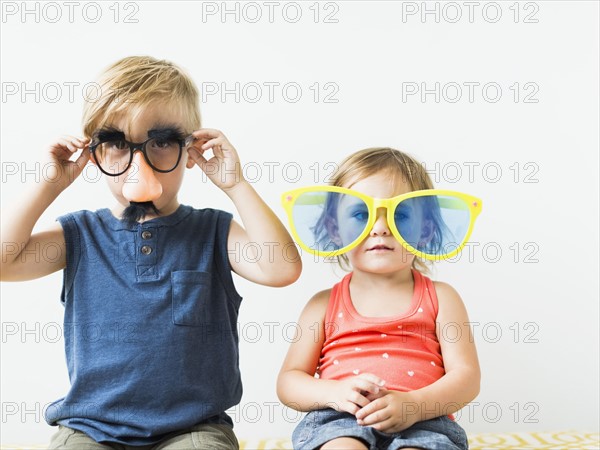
(380, 247)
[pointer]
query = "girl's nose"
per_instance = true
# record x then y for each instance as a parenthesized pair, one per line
(380, 227)
(140, 184)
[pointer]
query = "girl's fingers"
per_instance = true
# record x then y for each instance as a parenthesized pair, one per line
(358, 399)
(350, 408)
(367, 386)
(379, 419)
(373, 379)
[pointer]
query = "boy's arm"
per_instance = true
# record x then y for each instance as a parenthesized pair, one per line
(459, 386)
(262, 250)
(24, 256)
(296, 385)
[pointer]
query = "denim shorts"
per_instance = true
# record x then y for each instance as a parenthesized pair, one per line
(323, 425)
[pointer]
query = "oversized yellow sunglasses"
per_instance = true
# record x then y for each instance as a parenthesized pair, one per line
(328, 221)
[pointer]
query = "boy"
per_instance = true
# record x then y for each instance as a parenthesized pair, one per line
(150, 305)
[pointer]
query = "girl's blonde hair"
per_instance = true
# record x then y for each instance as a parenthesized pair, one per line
(398, 166)
(134, 82)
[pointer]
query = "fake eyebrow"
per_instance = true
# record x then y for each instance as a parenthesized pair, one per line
(109, 134)
(167, 132)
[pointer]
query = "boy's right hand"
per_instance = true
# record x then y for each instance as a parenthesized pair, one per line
(350, 394)
(61, 171)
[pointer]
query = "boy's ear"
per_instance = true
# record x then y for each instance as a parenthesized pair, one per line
(190, 162)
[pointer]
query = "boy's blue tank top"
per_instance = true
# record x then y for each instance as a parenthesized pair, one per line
(150, 325)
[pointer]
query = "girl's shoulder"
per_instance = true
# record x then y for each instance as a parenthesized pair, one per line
(444, 289)
(449, 300)
(316, 307)
(320, 299)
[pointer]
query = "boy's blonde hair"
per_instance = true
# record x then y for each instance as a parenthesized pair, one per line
(134, 82)
(398, 166)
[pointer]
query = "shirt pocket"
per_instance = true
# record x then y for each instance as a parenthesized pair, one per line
(191, 291)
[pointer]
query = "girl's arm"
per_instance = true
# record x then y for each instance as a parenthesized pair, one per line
(396, 411)
(296, 385)
(24, 256)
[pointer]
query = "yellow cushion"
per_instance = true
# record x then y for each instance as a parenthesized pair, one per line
(536, 440)
(481, 441)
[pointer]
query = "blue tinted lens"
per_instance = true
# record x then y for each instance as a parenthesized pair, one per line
(435, 225)
(329, 221)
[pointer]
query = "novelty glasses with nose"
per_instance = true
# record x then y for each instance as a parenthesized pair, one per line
(115, 154)
(328, 221)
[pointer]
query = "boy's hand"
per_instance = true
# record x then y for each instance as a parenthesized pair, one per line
(389, 411)
(223, 168)
(351, 394)
(61, 171)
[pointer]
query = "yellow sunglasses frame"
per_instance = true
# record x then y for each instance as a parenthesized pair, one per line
(474, 204)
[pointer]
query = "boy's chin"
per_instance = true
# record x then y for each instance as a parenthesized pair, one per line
(136, 211)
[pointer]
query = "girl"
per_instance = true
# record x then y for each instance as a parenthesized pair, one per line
(386, 356)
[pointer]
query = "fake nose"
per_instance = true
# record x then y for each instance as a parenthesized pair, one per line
(140, 183)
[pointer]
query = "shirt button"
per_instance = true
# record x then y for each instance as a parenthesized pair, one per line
(146, 234)
(146, 249)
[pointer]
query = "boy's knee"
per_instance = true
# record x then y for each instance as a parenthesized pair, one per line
(69, 439)
(204, 437)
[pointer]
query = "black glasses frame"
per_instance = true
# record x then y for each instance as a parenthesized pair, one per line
(141, 146)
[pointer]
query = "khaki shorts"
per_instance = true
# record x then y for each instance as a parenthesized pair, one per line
(206, 437)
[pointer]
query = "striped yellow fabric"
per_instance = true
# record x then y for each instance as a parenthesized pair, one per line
(556, 440)
(483, 441)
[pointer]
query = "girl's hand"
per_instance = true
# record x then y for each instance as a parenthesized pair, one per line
(223, 168)
(351, 394)
(389, 411)
(60, 170)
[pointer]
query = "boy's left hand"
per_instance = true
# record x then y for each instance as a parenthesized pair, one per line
(389, 411)
(223, 169)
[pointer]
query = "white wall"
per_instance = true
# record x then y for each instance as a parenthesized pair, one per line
(529, 150)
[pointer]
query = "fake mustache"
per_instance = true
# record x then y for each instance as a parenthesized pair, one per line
(138, 210)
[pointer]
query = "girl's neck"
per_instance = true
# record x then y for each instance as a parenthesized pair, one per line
(381, 295)
(382, 281)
